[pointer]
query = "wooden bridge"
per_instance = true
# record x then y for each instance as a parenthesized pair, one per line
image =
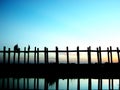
(57, 69)
(7, 55)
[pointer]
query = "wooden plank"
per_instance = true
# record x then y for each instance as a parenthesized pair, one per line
(4, 54)
(89, 55)
(32, 51)
(57, 56)
(47, 55)
(14, 57)
(19, 56)
(118, 55)
(111, 54)
(24, 55)
(8, 55)
(67, 55)
(28, 54)
(98, 57)
(108, 55)
(37, 55)
(78, 56)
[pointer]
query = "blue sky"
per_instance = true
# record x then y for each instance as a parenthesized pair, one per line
(60, 23)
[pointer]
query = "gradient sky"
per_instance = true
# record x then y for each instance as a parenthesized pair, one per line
(60, 23)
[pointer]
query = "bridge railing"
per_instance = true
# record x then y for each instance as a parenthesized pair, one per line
(7, 54)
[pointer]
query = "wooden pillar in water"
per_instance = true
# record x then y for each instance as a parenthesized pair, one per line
(24, 55)
(67, 55)
(28, 56)
(57, 84)
(118, 55)
(89, 55)
(98, 58)
(8, 84)
(119, 84)
(45, 55)
(27, 83)
(89, 84)
(67, 83)
(99, 84)
(18, 83)
(4, 54)
(24, 83)
(100, 55)
(37, 55)
(13, 83)
(14, 57)
(46, 84)
(2, 84)
(37, 83)
(57, 56)
(111, 84)
(78, 84)
(108, 55)
(19, 56)
(111, 54)
(78, 62)
(8, 55)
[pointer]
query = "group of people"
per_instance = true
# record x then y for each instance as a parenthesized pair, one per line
(17, 49)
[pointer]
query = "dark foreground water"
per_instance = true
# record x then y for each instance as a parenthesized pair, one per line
(59, 84)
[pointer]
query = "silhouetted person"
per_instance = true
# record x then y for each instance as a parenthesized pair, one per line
(16, 48)
(28, 47)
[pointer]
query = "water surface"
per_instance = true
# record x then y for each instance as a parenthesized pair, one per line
(59, 84)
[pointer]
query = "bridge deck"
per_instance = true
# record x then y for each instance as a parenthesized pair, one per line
(61, 70)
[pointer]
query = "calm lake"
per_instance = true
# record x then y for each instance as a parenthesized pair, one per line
(59, 84)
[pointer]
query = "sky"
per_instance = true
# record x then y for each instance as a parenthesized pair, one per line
(60, 23)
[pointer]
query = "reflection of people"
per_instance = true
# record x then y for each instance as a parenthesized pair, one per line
(28, 47)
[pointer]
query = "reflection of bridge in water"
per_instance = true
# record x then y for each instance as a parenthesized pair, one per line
(45, 83)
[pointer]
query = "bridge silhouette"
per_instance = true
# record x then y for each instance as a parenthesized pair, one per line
(99, 69)
(17, 52)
